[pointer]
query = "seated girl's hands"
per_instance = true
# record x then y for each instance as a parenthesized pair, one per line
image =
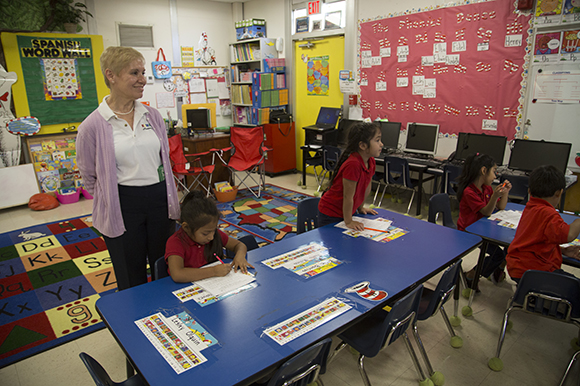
(242, 264)
(503, 188)
(222, 269)
(357, 226)
(364, 210)
(572, 251)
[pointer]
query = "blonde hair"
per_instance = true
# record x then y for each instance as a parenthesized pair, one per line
(117, 58)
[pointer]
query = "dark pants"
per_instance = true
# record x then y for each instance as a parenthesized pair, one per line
(147, 225)
(494, 260)
(325, 220)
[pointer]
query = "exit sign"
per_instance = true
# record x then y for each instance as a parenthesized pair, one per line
(313, 7)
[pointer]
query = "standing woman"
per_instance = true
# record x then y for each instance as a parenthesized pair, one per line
(123, 157)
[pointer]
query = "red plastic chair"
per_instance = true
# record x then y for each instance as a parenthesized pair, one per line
(247, 155)
(190, 165)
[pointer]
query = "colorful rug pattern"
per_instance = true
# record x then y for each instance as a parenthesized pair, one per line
(51, 275)
(269, 218)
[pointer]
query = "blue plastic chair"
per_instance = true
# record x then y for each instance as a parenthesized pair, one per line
(433, 301)
(250, 242)
(307, 215)
(439, 203)
(397, 174)
(570, 364)
(160, 268)
(519, 191)
(450, 174)
(548, 294)
(330, 156)
(382, 328)
(303, 368)
(101, 377)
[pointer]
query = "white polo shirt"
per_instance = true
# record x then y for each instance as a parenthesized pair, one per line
(137, 152)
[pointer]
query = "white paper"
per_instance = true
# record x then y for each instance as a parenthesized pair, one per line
(402, 50)
(217, 104)
(366, 54)
(198, 98)
(427, 60)
(489, 124)
(402, 82)
(221, 285)
(196, 85)
(452, 60)
(557, 87)
(459, 46)
(386, 52)
(376, 60)
(482, 46)
(513, 40)
(381, 86)
(224, 91)
(507, 218)
(164, 99)
(366, 62)
(418, 80)
(402, 58)
(212, 88)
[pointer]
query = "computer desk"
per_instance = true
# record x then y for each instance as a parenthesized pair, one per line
(243, 355)
(502, 236)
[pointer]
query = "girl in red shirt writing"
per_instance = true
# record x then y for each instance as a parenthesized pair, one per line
(478, 199)
(199, 242)
(351, 180)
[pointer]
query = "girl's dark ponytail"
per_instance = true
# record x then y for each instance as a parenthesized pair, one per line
(471, 170)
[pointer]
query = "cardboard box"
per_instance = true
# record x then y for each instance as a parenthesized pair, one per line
(250, 29)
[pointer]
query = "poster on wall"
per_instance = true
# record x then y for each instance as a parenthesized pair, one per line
(458, 66)
(317, 81)
(55, 72)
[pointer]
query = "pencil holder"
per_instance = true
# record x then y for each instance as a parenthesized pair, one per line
(226, 196)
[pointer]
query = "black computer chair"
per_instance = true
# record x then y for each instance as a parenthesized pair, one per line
(160, 268)
(381, 328)
(307, 215)
(548, 294)
(101, 377)
(397, 174)
(304, 367)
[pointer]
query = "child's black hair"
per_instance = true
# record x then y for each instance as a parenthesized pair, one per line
(360, 132)
(197, 210)
(545, 181)
(471, 170)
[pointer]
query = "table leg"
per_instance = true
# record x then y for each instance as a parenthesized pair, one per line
(304, 153)
(478, 270)
(420, 191)
(130, 370)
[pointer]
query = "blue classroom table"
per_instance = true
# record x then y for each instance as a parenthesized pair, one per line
(503, 236)
(237, 322)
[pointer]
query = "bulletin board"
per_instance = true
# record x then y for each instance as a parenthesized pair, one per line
(59, 77)
(462, 67)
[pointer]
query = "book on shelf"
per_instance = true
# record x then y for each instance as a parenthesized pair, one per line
(269, 98)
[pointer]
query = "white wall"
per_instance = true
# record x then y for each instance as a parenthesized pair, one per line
(193, 17)
(270, 10)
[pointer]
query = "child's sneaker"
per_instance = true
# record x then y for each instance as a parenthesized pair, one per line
(498, 276)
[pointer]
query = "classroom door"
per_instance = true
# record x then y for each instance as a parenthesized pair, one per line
(316, 83)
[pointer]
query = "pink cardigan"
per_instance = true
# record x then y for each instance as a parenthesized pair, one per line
(96, 162)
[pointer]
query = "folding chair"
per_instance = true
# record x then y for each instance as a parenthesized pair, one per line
(303, 368)
(247, 155)
(307, 215)
(330, 156)
(382, 328)
(101, 377)
(194, 167)
(548, 294)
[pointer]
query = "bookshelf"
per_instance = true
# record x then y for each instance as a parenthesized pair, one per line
(248, 58)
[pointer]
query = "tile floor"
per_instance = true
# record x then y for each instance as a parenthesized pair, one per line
(536, 351)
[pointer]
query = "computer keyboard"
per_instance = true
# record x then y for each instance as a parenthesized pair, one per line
(423, 161)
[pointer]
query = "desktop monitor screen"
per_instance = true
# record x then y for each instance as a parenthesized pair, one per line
(328, 116)
(422, 138)
(492, 145)
(390, 134)
(527, 155)
(198, 119)
(343, 127)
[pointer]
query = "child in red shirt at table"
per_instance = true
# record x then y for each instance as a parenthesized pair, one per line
(350, 182)
(541, 229)
(478, 199)
(199, 242)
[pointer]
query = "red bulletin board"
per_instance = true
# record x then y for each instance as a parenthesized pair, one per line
(451, 79)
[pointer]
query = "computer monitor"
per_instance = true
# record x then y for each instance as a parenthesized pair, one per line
(198, 120)
(328, 116)
(527, 155)
(390, 134)
(343, 127)
(422, 138)
(470, 143)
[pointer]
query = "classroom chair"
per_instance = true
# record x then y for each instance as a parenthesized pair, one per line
(397, 174)
(101, 377)
(190, 165)
(519, 191)
(330, 156)
(250, 242)
(381, 328)
(439, 204)
(433, 301)
(160, 268)
(548, 294)
(450, 174)
(303, 368)
(312, 156)
(570, 364)
(247, 155)
(307, 215)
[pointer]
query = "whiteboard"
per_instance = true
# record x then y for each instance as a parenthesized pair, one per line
(557, 122)
(18, 185)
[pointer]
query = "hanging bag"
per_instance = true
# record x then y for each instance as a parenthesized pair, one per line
(161, 68)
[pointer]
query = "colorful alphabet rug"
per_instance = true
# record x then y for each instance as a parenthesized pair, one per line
(269, 218)
(51, 275)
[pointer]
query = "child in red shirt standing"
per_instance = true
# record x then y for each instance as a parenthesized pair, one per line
(541, 229)
(199, 242)
(478, 199)
(350, 183)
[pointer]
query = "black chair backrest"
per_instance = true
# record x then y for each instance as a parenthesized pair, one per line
(450, 174)
(439, 203)
(397, 171)
(519, 186)
(307, 215)
(101, 377)
(330, 156)
(160, 269)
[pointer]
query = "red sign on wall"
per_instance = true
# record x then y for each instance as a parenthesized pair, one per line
(313, 7)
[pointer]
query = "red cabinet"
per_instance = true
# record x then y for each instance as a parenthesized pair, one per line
(282, 139)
